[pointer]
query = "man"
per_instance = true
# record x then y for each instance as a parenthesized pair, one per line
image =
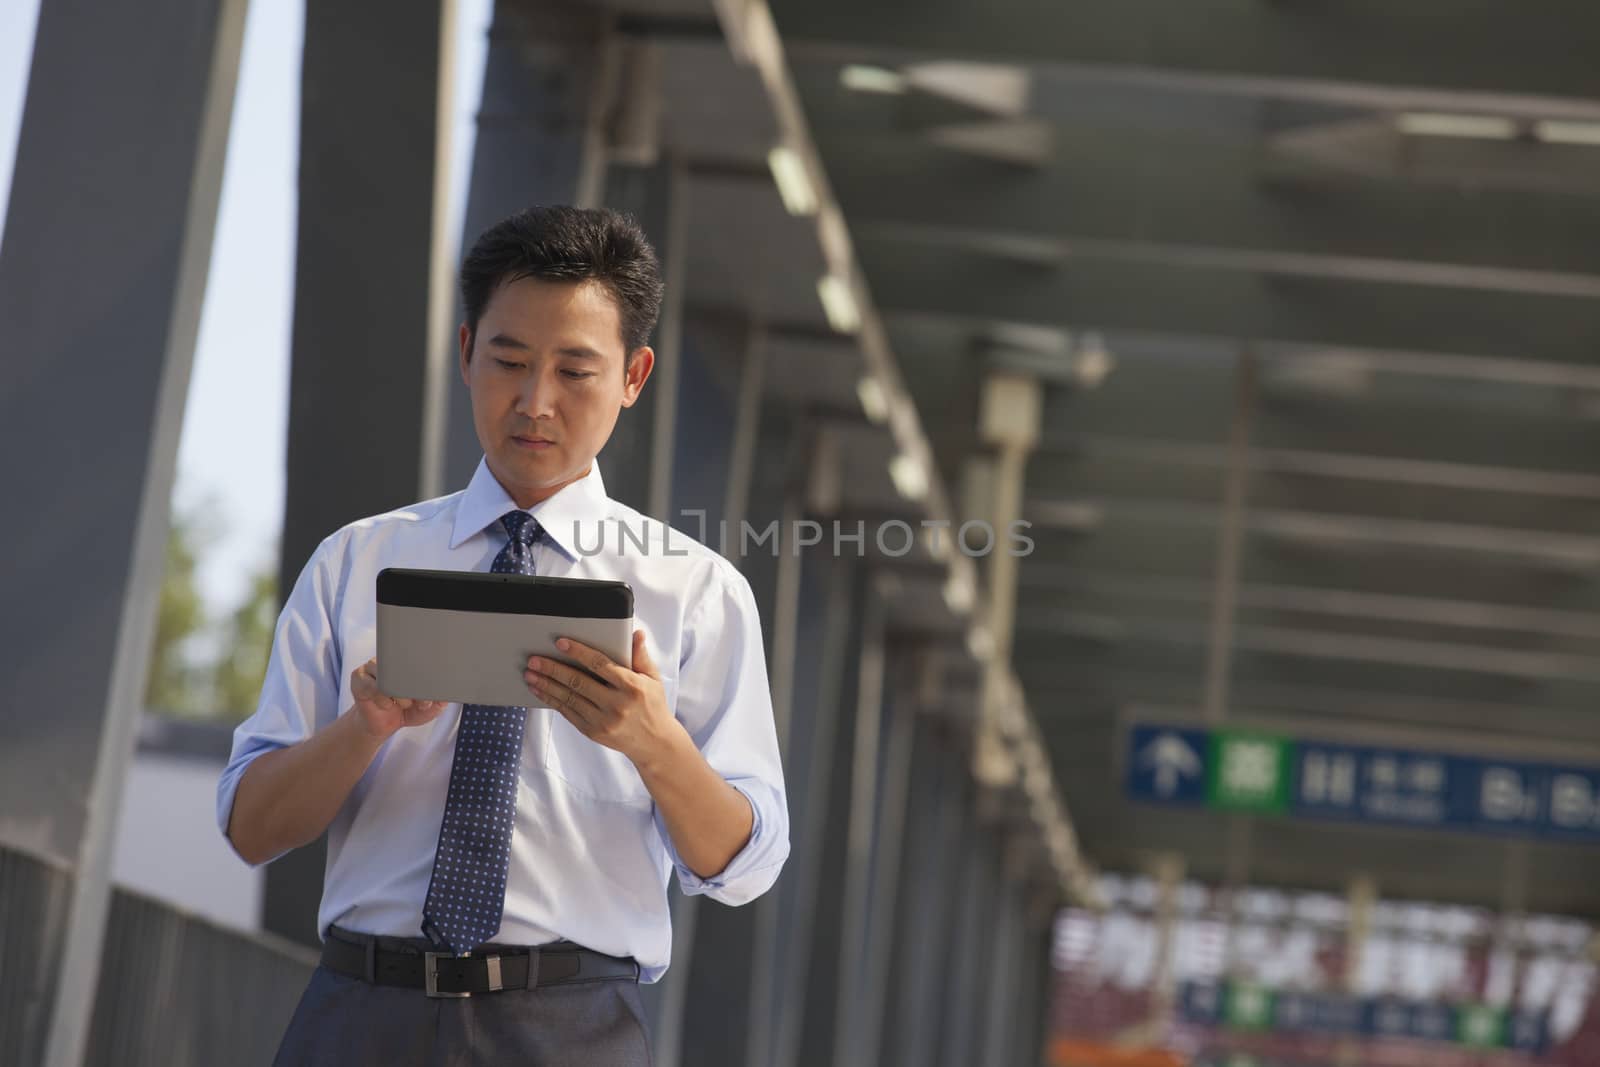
(461, 838)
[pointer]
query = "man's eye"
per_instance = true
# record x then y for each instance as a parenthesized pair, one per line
(575, 374)
(508, 364)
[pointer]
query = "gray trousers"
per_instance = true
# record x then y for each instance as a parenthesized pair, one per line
(349, 1023)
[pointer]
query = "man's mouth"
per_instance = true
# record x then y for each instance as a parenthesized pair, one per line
(535, 443)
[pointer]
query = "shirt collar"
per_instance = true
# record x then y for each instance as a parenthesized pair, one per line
(561, 516)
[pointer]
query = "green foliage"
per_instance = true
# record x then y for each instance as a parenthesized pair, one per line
(243, 665)
(176, 683)
(189, 675)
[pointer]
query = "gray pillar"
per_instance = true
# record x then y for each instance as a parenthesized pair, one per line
(360, 380)
(888, 859)
(108, 240)
(969, 959)
(807, 1035)
(1001, 980)
(808, 941)
(544, 86)
(1043, 977)
(937, 793)
(716, 1027)
(865, 768)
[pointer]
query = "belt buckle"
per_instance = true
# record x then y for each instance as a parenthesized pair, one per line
(430, 975)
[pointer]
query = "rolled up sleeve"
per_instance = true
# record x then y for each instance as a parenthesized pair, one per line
(725, 703)
(300, 691)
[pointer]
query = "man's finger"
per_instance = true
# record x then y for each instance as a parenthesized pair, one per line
(564, 699)
(642, 663)
(601, 664)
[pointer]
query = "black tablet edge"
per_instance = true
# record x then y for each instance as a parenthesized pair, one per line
(505, 594)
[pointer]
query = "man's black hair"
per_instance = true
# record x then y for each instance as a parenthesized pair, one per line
(568, 244)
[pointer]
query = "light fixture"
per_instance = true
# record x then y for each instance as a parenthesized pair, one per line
(980, 642)
(959, 594)
(794, 184)
(1439, 124)
(1559, 131)
(1093, 361)
(866, 79)
(909, 476)
(839, 303)
(874, 401)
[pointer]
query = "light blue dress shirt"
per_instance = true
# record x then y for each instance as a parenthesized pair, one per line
(590, 855)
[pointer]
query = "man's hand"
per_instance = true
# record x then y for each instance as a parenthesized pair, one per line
(380, 714)
(619, 707)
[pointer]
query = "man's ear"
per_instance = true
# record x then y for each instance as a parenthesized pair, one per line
(636, 373)
(464, 339)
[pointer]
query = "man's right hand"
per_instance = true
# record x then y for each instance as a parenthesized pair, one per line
(381, 714)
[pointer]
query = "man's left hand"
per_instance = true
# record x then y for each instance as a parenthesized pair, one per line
(619, 707)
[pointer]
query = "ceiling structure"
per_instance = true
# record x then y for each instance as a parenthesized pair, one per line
(1341, 260)
(1314, 295)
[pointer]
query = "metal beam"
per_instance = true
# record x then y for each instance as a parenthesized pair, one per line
(1050, 585)
(545, 79)
(855, 924)
(944, 280)
(367, 238)
(1372, 146)
(108, 239)
(1231, 204)
(822, 814)
(1536, 664)
(1476, 55)
(1076, 453)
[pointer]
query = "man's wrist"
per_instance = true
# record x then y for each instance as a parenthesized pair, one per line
(664, 748)
(357, 730)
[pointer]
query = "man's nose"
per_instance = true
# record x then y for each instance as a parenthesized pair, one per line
(538, 394)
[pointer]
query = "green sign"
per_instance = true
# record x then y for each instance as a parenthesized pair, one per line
(1480, 1026)
(1248, 1006)
(1248, 771)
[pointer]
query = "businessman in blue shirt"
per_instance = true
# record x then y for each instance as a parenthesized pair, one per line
(507, 868)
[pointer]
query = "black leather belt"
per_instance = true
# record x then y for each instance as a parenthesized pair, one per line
(494, 968)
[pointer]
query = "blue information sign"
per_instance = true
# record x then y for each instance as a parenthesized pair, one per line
(1363, 783)
(1378, 1018)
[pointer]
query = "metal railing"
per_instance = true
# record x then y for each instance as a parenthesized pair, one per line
(174, 990)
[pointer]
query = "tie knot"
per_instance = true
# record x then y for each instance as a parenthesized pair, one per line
(521, 527)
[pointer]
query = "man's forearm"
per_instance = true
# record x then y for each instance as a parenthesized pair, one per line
(288, 797)
(709, 820)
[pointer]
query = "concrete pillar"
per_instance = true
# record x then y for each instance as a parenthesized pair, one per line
(928, 899)
(808, 1034)
(102, 274)
(807, 944)
(546, 84)
(363, 388)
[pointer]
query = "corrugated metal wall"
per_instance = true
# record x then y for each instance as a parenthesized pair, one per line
(180, 992)
(33, 916)
(175, 991)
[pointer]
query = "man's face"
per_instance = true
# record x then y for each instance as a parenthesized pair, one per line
(546, 370)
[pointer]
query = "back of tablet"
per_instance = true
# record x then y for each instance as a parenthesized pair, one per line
(466, 637)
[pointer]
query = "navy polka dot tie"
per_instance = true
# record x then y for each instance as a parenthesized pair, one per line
(468, 890)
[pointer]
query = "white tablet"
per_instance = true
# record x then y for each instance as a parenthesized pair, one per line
(466, 637)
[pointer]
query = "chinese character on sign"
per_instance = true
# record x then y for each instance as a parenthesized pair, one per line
(1250, 767)
(1426, 776)
(1384, 772)
(1328, 779)
(1249, 772)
